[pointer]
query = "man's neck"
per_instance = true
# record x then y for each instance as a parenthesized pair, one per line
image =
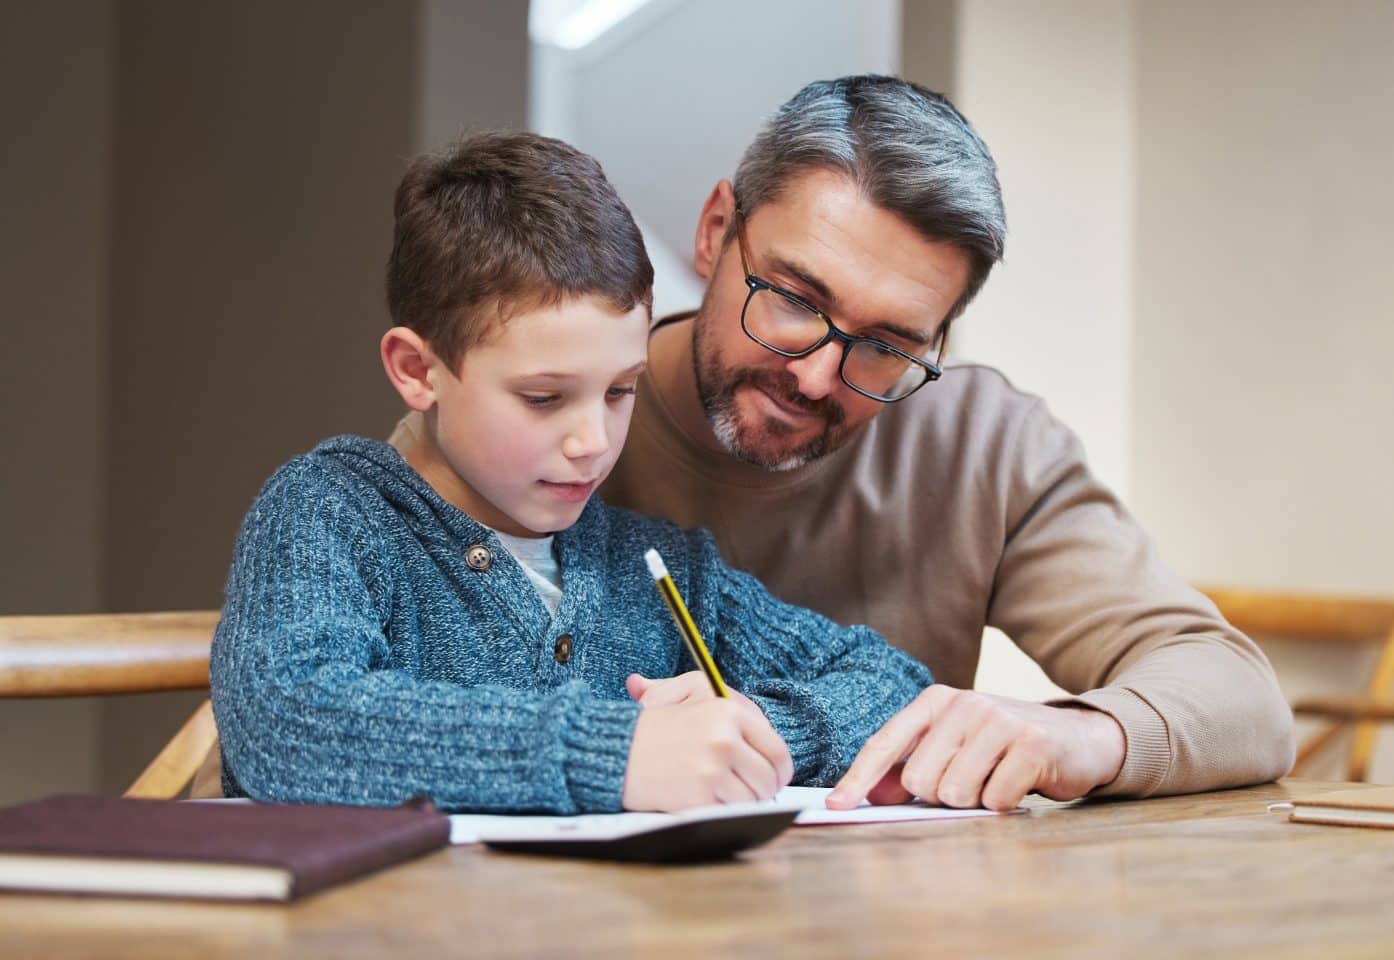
(671, 372)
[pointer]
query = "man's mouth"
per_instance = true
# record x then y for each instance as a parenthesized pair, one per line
(783, 407)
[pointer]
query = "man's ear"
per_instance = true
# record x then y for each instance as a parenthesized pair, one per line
(409, 361)
(717, 214)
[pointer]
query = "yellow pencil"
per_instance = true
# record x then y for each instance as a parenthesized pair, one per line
(686, 626)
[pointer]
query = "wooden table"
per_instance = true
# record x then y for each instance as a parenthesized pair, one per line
(1212, 874)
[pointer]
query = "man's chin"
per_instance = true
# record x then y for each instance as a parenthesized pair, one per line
(767, 443)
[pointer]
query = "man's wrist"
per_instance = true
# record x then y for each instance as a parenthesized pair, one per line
(1109, 743)
(1104, 743)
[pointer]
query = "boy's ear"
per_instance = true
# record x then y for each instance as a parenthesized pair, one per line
(712, 225)
(409, 361)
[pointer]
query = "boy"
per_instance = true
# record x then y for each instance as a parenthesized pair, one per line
(470, 624)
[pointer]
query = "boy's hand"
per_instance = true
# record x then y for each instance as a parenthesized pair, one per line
(691, 748)
(671, 690)
(694, 685)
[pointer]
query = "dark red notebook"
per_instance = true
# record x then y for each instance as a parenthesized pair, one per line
(218, 850)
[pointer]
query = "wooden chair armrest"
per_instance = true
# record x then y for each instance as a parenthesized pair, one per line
(170, 772)
(1345, 708)
(1313, 616)
(61, 656)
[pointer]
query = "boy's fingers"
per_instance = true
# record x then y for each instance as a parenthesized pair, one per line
(783, 762)
(769, 744)
(663, 692)
(887, 747)
(635, 684)
(756, 772)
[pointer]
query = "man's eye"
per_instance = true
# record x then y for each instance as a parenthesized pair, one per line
(540, 399)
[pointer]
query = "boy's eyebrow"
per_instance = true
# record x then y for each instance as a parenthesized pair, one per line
(783, 265)
(635, 370)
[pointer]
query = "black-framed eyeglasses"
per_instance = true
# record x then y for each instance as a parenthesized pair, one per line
(792, 327)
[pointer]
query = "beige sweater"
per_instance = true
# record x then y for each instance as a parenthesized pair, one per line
(969, 505)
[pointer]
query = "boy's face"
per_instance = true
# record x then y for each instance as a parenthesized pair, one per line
(536, 416)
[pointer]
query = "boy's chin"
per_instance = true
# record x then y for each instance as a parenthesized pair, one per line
(541, 523)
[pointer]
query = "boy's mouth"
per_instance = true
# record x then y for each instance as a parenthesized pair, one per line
(569, 492)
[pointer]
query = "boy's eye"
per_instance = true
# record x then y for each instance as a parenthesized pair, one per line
(540, 399)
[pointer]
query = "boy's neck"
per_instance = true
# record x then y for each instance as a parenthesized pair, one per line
(423, 455)
(421, 452)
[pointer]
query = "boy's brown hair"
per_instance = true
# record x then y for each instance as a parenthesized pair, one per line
(502, 223)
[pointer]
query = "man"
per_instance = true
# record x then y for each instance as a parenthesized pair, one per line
(804, 416)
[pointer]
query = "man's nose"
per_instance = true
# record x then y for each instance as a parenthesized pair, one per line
(817, 372)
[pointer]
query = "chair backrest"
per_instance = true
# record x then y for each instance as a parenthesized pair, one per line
(96, 654)
(1326, 619)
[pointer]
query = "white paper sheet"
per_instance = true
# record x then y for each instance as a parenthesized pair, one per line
(476, 828)
(815, 812)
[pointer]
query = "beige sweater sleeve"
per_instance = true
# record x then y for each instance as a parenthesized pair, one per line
(1082, 590)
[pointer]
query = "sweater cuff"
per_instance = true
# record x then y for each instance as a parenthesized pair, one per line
(597, 739)
(809, 741)
(1147, 741)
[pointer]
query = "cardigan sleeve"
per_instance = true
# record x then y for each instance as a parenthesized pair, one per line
(312, 705)
(825, 688)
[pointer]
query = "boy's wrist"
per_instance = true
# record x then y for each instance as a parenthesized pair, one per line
(597, 738)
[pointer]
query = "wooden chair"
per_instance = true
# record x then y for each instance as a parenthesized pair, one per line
(1326, 619)
(92, 655)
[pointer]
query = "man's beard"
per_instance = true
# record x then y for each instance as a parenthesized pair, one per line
(758, 443)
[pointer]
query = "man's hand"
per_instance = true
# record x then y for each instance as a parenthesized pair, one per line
(960, 748)
(691, 747)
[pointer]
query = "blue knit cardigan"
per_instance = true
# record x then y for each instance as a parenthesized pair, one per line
(361, 660)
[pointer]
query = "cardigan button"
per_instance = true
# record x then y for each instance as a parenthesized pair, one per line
(562, 648)
(479, 558)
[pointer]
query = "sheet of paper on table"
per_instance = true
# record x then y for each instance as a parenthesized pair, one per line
(476, 828)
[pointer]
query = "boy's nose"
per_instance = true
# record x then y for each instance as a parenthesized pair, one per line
(586, 439)
(817, 372)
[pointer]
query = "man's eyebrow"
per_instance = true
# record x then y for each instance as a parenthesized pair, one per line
(918, 337)
(801, 274)
(783, 265)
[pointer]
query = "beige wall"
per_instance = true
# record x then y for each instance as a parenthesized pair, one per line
(1049, 87)
(1263, 427)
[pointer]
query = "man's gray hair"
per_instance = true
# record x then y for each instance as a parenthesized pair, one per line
(906, 148)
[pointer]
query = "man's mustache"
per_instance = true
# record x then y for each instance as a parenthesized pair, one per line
(785, 386)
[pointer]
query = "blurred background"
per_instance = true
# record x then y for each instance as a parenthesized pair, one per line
(195, 210)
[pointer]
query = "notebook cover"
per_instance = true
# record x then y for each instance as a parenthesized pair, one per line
(317, 845)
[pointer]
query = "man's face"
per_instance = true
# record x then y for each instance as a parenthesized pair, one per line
(537, 414)
(863, 266)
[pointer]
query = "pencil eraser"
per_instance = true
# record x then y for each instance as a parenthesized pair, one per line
(656, 565)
